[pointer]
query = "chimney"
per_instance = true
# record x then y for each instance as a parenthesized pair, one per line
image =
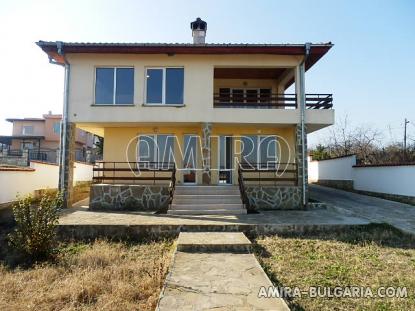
(199, 28)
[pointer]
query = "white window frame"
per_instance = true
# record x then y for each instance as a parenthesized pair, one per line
(27, 126)
(115, 84)
(163, 86)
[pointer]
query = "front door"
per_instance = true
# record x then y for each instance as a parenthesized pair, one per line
(225, 159)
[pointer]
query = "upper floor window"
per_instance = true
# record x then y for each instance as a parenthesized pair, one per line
(57, 127)
(27, 130)
(114, 86)
(164, 86)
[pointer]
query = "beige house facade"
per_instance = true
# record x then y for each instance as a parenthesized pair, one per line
(223, 102)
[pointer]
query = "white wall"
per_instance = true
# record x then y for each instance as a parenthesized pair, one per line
(385, 179)
(334, 169)
(41, 176)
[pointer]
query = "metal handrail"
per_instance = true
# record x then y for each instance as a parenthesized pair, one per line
(107, 171)
(244, 196)
(258, 168)
(313, 101)
(172, 186)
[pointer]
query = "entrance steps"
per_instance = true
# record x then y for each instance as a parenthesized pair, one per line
(207, 200)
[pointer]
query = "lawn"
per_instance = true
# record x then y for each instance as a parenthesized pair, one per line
(373, 256)
(101, 275)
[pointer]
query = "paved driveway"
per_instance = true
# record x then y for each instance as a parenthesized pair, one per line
(374, 209)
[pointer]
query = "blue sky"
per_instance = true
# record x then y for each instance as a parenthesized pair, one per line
(370, 70)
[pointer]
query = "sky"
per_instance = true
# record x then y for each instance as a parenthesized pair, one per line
(370, 70)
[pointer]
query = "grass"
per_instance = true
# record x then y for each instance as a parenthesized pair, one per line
(101, 275)
(373, 256)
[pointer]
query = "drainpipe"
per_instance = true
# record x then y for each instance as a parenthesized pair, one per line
(64, 123)
(307, 48)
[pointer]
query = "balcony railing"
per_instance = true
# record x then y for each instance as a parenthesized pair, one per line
(279, 101)
(277, 174)
(134, 172)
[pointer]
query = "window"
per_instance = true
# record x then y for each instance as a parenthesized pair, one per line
(27, 130)
(114, 86)
(259, 151)
(156, 148)
(57, 127)
(164, 86)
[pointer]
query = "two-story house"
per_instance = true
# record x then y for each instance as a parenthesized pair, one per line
(40, 138)
(182, 115)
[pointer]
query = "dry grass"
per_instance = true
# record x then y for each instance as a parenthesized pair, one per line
(98, 276)
(373, 256)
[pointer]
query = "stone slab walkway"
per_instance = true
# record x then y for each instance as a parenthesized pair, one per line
(399, 215)
(216, 280)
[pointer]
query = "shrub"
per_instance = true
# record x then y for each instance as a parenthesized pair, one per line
(35, 230)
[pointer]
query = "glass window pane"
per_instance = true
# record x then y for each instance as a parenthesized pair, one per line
(104, 86)
(174, 86)
(268, 148)
(190, 148)
(154, 86)
(125, 86)
(146, 152)
(165, 144)
(249, 150)
(57, 127)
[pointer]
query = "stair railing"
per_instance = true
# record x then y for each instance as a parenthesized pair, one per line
(242, 190)
(172, 185)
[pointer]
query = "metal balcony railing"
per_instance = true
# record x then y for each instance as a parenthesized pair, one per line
(281, 101)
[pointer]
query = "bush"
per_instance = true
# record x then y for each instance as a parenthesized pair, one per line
(35, 230)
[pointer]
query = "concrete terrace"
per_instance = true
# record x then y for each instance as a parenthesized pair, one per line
(79, 222)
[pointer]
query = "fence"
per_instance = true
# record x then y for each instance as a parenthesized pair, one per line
(39, 175)
(390, 179)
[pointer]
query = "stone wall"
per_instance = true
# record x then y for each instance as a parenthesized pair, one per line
(129, 197)
(274, 198)
(339, 184)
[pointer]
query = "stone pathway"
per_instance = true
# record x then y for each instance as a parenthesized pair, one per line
(225, 277)
(399, 215)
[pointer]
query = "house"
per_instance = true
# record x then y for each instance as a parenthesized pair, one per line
(176, 116)
(40, 137)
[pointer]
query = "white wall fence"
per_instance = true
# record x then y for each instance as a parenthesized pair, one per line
(389, 179)
(40, 175)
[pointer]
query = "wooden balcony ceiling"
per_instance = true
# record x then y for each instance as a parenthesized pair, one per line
(248, 73)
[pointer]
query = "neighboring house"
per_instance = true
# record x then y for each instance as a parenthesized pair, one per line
(40, 137)
(211, 98)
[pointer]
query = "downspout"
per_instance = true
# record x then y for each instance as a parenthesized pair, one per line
(307, 47)
(64, 123)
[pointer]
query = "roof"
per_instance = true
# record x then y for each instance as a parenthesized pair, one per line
(24, 119)
(51, 48)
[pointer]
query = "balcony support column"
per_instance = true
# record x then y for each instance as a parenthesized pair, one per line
(206, 150)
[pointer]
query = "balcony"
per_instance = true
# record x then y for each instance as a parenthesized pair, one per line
(258, 100)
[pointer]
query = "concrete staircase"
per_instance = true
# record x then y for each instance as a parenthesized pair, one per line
(207, 200)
